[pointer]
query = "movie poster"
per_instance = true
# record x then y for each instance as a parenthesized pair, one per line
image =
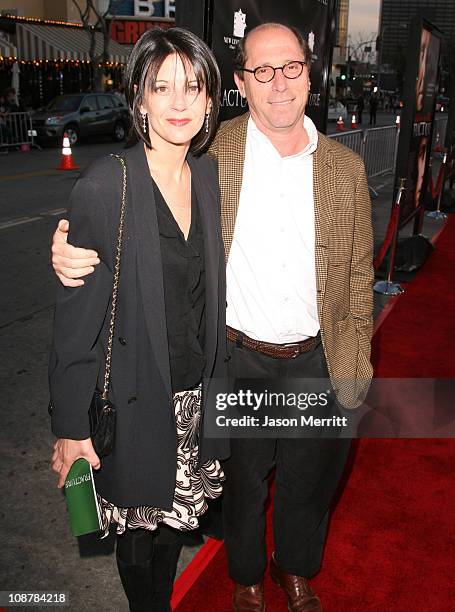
(420, 92)
(449, 142)
(232, 19)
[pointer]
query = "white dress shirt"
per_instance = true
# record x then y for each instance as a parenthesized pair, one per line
(271, 272)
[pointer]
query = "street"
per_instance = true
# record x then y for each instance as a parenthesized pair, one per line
(35, 532)
(382, 119)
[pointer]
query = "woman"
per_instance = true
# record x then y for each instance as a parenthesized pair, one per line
(170, 322)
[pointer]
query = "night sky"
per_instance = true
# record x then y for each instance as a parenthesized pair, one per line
(363, 16)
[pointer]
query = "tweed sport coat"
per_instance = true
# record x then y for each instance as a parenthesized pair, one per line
(343, 250)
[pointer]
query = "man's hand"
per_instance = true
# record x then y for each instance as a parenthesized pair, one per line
(67, 451)
(71, 263)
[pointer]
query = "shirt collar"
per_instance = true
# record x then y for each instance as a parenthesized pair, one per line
(260, 137)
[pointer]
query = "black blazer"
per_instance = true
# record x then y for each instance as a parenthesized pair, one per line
(142, 468)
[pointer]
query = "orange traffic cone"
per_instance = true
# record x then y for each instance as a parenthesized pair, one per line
(353, 123)
(340, 124)
(66, 159)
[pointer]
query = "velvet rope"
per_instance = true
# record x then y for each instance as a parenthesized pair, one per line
(388, 237)
(435, 191)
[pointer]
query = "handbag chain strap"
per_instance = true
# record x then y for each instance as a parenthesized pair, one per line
(107, 372)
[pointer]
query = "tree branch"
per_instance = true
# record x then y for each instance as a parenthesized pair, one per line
(102, 24)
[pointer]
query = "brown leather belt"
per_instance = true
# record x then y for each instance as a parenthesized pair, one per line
(279, 351)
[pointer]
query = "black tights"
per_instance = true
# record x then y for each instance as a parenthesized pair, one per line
(147, 563)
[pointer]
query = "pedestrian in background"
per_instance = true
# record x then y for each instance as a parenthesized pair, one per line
(373, 108)
(360, 107)
(119, 92)
(3, 124)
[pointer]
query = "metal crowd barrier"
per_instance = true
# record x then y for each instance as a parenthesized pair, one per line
(352, 139)
(16, 130)
(378, 146)
(439, 132)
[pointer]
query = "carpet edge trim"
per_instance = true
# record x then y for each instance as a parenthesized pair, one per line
(194, 569)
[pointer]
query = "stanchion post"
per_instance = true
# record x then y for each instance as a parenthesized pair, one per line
(437, 214)
(388, 287)
(397, 138)
(452, 166)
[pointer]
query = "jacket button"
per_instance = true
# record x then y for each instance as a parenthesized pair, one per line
(132, 399)
(122, 341)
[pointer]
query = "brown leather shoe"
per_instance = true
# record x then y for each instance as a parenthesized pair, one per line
(301, 597)
(248, 598)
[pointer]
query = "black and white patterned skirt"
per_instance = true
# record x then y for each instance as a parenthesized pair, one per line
(193, 485)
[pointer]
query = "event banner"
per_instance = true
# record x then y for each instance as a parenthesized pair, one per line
(230, 20)
(417, 118)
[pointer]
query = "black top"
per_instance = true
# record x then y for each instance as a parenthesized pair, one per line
(184, 293)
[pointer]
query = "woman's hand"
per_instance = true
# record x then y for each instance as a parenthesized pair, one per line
(67, 451)
(71, 263)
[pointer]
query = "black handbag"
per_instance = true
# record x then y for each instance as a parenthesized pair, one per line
(103, 416)
(102, 413)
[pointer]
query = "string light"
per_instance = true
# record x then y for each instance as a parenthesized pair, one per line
(18, 19)
(11, 59)
(42, 21)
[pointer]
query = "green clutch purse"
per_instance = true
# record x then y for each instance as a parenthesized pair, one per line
(81, 499)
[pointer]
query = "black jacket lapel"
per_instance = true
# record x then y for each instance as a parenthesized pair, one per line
(149, 265)
(212, 241)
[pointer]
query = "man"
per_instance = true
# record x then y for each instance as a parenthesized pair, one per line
(11, 101)
(296, 223)
(373, 108)
(360, 107)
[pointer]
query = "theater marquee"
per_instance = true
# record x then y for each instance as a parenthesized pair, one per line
(128, 31)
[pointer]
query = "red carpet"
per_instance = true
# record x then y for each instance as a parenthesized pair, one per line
(391, 544)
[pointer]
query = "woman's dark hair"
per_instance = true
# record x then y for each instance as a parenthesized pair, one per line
(146, 58)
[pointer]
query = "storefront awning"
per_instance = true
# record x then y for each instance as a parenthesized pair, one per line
(7, 49)
(37, 42)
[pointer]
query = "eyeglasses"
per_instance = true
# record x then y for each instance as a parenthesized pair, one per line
(264, 74)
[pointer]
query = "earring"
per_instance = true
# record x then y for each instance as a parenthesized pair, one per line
(206, 123)
(144, 122)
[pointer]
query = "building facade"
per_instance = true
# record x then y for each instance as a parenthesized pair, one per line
(55, 10)
(44, 42)
(395, 19)
(341, 35)
(65, 10)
